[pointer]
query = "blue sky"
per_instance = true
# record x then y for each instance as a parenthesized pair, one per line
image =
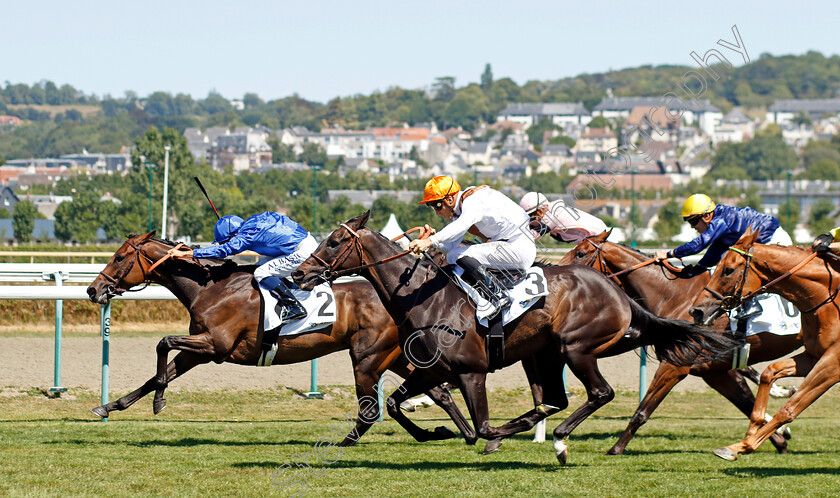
(320, 49)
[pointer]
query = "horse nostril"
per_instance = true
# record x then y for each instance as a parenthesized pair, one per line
(697, 314)
(297, 276)
(91, 291)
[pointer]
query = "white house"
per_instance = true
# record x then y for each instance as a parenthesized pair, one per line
(784, 110)
(559, 114)
(693, 111)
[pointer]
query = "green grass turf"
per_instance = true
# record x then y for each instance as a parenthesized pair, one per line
(234, 443)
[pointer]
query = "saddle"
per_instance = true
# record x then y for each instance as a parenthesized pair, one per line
(508, 278)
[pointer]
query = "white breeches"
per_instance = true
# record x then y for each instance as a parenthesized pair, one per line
(516, 254)
(283, 266)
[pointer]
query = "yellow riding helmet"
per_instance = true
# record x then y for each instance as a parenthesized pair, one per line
(439, 187)
(697, 204)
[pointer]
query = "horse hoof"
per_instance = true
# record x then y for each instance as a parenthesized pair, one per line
(407, 406)
(445, 433)
(492, 446)
(100, 411)
(615, 451)
(561, 449)
(784, 431)
(726, 454)
(159, 405)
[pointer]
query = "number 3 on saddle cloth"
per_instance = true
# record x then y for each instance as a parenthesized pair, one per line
(320, 312)
(524, 294)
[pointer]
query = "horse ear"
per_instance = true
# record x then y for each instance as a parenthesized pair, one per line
(603, 235)
(145, 237)
(748, 239)
(359, 221)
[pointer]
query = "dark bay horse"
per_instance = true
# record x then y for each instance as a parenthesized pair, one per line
(224, 306)
(812, 287)
(665, 294)
(584, 317)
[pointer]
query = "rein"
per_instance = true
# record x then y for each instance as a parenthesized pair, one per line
(115, 280)
(727, 301)
(331, 273)
(600, 257)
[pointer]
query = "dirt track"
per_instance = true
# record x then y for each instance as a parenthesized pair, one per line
(28, 363)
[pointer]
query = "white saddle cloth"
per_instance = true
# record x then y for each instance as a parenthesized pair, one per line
(525, 294)
(319, 304)
(778, 316)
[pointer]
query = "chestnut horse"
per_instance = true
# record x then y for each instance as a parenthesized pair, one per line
(811, 285)
(584, 317)
(664, 293)
(224, 306)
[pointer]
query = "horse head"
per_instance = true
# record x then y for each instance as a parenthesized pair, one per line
(731, 281)
(339, 251)
(128, 267)
(587, 252)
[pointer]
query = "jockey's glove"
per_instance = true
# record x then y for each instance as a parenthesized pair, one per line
(822, 243)
(689, 271)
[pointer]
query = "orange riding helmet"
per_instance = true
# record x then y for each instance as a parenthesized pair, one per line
(439, 187)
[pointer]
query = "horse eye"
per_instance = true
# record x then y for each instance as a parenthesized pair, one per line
(332, 243)
(580, 254)
(118, 258)
(728, 271)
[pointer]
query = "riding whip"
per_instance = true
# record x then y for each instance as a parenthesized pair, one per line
(198, 182)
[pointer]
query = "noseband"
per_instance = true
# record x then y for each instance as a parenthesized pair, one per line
(115, 280)
(734, 300)
(331, 273)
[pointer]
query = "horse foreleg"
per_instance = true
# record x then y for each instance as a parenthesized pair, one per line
(443, 399)
(666, 377)
(798, 365)
(732, 386)
(180, 364)
(598, 394)
(416, 383)
(199, 344)
(820, 374)
(547, 390)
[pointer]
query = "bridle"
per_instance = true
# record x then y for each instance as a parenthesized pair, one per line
(732, 301)
(599, 256)
(115, 280)
(331, 273)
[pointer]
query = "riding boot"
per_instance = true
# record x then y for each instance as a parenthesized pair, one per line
(288, 307)
(485, 283)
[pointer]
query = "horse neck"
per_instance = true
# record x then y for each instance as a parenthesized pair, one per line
(661, 295)
(173, 274)
(398, 293)
(805, 288)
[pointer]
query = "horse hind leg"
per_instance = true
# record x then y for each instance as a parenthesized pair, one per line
(666, 377)
(415, 384)
(598, 394)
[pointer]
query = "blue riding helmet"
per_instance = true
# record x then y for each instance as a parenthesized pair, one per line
(226, 228)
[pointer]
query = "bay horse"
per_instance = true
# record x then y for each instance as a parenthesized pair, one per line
(583, 318)
(224, 306)
(811, 284)
(666, 294)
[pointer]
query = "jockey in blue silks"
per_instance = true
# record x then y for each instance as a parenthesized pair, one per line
(285, 243)
(720, 227)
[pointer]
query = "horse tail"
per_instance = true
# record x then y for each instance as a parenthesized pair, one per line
(679, 342)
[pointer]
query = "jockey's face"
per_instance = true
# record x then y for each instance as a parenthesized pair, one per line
(447, 209)
(701, 224)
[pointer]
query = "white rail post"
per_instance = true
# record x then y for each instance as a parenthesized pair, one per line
(105, 329)
(56, 389)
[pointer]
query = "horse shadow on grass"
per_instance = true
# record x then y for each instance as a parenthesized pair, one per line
(780, 471)
(429, 465)
(183, 443)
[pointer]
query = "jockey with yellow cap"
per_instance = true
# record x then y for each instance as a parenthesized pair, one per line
(489, 214)
(720, 227)
(563, 222)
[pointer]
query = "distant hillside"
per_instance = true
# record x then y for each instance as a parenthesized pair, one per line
(117, 120)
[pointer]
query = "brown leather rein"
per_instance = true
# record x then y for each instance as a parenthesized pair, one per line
(734, 300)
(600, 258)
(115, 280)
(330, 273)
